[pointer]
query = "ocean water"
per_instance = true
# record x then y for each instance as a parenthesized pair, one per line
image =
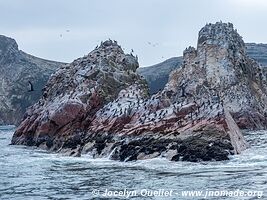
(30, 173)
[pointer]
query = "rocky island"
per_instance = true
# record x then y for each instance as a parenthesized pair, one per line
(99, 105)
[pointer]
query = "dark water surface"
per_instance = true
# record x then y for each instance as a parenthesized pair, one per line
(29, 173)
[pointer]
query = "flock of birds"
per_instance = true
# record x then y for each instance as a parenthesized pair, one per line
(61, 35)
(151, 111)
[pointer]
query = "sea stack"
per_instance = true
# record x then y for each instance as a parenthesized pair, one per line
(99, 105)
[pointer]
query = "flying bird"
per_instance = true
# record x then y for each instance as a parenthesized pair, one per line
(152, 44)
(30, 86)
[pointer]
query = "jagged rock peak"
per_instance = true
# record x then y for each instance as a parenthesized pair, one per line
(221, 53)
(110, 45)
(107, 54)
(222, 34)
(8, 49)
(221, 68)
(7, 43)
(189, 54)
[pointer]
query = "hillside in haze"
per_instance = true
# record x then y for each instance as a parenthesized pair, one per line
(17, 69)
(157, 75)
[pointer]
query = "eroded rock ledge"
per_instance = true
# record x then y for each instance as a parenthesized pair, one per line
(99, 105)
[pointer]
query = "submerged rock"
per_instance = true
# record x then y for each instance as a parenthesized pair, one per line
(99, 104)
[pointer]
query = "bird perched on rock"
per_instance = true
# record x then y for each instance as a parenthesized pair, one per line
(84, 76)
(183, 86)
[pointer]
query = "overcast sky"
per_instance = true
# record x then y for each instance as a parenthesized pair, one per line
(63, 30)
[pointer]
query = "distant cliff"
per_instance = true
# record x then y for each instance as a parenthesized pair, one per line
(16, 70)
(157, 75)
(258, 52)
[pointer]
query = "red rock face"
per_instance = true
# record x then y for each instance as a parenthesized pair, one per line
(67, 113)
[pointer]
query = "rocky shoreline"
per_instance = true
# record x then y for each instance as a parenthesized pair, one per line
(99, 105)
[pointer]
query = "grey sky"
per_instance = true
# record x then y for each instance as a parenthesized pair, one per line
(171, 25)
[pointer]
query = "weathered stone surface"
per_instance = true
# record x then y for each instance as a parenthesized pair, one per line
(66, 113)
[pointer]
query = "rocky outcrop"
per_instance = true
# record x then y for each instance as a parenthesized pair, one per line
(157, 75)
(16, 70)
(99, 105)
(221, 67)
(74, 95)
